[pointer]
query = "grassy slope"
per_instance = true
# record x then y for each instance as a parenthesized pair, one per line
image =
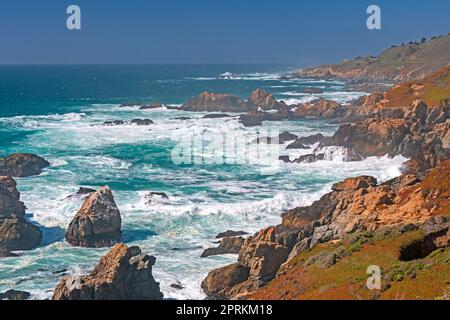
(433, 89)
(427, 278)
(398, 63)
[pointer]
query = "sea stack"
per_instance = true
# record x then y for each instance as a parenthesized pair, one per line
(124, 273)
(15, 232)
(98, 222)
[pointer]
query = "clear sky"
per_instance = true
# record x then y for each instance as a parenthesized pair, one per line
(303, 32)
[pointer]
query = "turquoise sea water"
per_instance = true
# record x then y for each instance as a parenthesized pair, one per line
(57, 112)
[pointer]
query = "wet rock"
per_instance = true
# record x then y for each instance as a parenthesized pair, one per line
(122, 274)
(141, 122)
(176, 286)
(216, 116)
(300, 143)
(151, 106)
(226, 246)
(14, 295)
(114, 123)
(22, 165)
(97, 223)
(230, 233)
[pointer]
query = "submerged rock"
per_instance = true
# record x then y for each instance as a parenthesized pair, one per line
(124, 273)
(15, 232)
(97, 223)
(22, 165)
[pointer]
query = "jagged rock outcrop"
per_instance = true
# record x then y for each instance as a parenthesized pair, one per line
(22, 165)
(15, 232)
(97, 223)
(261, 99)
(302, 142)
(226, 245)
(321, 108)
(230, 233)
(207, 101)
(355, 205)
(220, 280)
(124, 273)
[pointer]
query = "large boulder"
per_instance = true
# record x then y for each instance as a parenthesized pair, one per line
(207, 101)
(22, 165)
(122, 274)
(261, 99)
(219, 281)
(15, 232)
(98, 222)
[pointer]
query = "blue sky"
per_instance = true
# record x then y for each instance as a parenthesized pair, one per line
(210, 31)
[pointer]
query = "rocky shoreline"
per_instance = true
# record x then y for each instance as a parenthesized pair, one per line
(357, 213)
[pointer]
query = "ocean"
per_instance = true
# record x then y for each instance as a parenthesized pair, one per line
(57, 112)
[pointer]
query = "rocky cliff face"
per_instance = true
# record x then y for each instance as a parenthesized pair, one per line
(124, 273)
(15, 232)
(355, 205)
(22, 165)
(97, 223)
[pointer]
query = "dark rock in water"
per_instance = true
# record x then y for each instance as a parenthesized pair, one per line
(282, 138)
(22, 165)
(81, 193)
(286, 136)
(151, 195)
(161, 194)
(142, 122)
(15, 232)
(216, 116)
(284, 159)
(313, 90)
(296, 145)
(14, 295)
(302, 141)
(176, 286)
(310, 158)
(122, 274)
(97, 223)
(230, 233)
(253, 119)
(59, 271)
(182, 118)
(5, 253)
(84, 190)
(155, 105)
(114, 123)
(227, 245)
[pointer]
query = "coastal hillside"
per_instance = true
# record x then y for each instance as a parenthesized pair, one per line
(399, 63)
